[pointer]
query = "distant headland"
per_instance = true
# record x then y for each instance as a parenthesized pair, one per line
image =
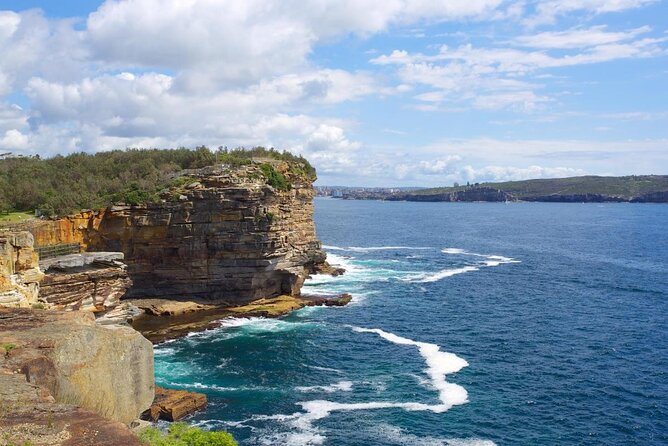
(584, 189)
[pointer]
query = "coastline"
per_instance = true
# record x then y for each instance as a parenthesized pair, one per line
(178, 319)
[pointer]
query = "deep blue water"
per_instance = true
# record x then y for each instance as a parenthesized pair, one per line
(559, 310)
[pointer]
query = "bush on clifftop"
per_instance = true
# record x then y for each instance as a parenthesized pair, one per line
(275, 178)
(66, 184)
(180, 434)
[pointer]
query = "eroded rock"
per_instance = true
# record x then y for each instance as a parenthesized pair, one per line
(105, 369)
(91, 281)
(174, 405)
(19, 270)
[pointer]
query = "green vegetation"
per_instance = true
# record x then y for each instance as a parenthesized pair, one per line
(8, 348)
(180, 434)
(275, 178)
(66, 184)
(623, 187)
(15, 217)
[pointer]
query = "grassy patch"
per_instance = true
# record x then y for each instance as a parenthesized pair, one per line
(15, 217)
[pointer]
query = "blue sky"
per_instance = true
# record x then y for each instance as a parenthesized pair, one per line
(378, 93)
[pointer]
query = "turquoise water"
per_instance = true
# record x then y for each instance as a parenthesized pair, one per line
(471, 324)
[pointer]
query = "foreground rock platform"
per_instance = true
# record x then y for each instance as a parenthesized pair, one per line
(29, 416)
(69, 359)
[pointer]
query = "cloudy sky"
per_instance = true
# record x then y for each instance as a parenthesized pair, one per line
(373, 92)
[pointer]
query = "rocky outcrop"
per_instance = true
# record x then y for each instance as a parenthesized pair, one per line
(225, 235)
(577, 198)
(162, 323)
(652, 197)
(174, 405)
(105, 369)
(19, 270)
(88, 281)
(29, 415)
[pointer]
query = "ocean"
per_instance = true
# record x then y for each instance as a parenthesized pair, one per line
(472, 324)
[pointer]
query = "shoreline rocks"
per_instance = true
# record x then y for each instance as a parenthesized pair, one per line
(158, 329)
(174, 405)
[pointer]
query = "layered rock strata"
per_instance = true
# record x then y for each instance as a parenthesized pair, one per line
(225, 235)
(19, 270)
(105, 369)
(93, 281)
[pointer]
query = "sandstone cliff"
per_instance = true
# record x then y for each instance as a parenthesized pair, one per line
(225, 235)
(19, 270)
(88, 281)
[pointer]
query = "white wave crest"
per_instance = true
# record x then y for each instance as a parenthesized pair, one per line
(489, 261)
(374, 248)
(396, 435)
(323, 369)
(439, 275)
(453, 251)
(439, 364)
(260, 324)
(341, 386)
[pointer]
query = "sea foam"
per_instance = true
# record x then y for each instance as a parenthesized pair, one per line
(489, 261)
(341, 386)
(374, 248)
(439, 364)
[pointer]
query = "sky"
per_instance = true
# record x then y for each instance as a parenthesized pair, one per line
(372, 92)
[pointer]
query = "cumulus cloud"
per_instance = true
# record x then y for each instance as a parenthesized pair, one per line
(163, 73)
(508, 77)
(547, 11)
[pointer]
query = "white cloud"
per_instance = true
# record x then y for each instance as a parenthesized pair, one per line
(29, 43)
(212, 42)
(494, 78)
(546, 11)
(164, 73)
(579, 38)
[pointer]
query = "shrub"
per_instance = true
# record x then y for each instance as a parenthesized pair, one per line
(8, 348)
(275, 178)
(180, 434)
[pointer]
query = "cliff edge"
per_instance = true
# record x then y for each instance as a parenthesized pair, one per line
(227, 234)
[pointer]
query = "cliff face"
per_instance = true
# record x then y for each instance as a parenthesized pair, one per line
(107, 370)
(225, 235)
(19, 270)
